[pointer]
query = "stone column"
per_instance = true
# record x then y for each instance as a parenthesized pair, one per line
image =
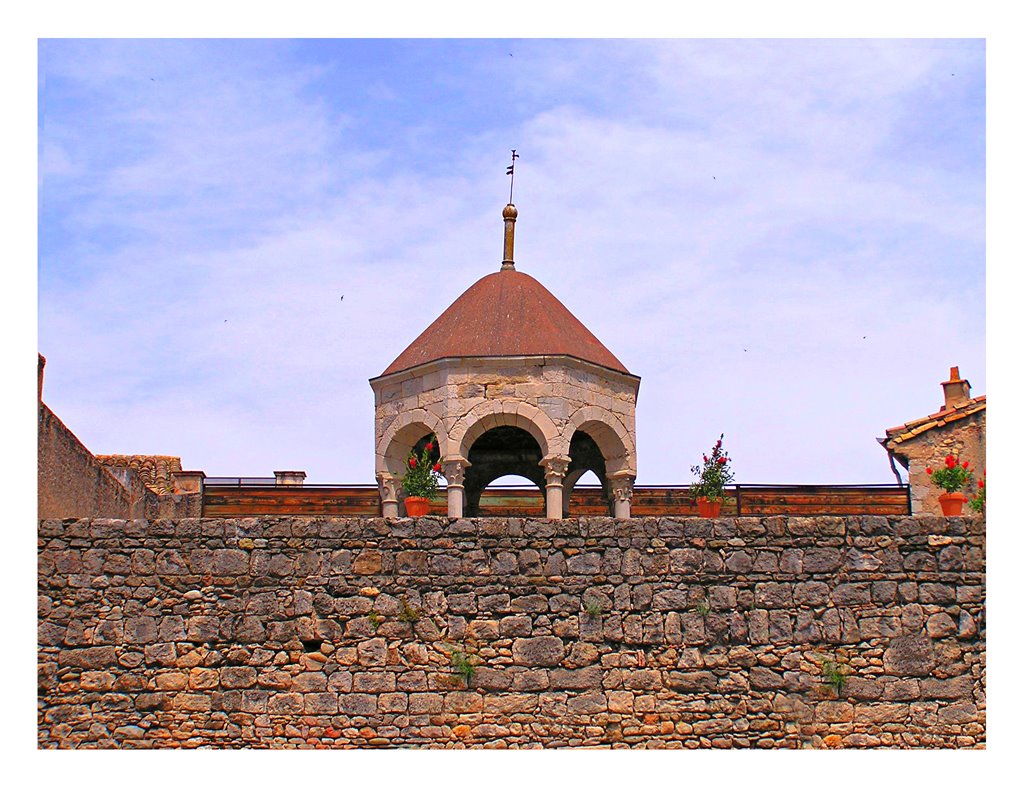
(455, 473)
(388, 486)
(554, 473)
(622, 494)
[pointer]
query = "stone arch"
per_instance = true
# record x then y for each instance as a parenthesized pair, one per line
(611, 436)
(401, 436)
(488, 415)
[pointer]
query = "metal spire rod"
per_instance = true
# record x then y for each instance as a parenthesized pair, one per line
(511, 170)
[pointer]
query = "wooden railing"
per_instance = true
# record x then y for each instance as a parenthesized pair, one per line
(648, 501)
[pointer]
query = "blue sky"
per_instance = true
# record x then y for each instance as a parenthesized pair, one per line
(785, 239)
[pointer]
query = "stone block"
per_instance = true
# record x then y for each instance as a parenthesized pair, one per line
(94, 657)
(582, 678)
(910, 655)
(852, 594)
(374, 683)
(773, 595)
(357, 704)
(692, 682)
(593, 702)
(541, 651)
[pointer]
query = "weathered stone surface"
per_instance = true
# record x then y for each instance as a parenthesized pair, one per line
(692, 634)
(941, 625)
(693, 682)
(542, 651)
(95, 657)
(911, 655)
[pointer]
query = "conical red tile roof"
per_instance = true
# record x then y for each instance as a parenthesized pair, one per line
(507, 313)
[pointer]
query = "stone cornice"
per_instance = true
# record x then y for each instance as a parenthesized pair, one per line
(502, 361)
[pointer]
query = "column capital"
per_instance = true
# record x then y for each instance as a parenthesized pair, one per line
(454, 467)
(555, 467)
(387, 485)
(621, 485)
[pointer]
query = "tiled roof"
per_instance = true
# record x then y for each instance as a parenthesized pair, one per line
(904, 432)
(507, 313)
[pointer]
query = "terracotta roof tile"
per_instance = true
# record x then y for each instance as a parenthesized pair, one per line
(914, 428)
(507, 313)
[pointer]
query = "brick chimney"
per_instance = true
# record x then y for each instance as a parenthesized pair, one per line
(956, 391)
(42, 365)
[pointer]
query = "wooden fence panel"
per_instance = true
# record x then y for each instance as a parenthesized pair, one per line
(762, 500)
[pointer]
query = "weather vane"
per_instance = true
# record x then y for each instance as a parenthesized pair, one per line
(511, 170)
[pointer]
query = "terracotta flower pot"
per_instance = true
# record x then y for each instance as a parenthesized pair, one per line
(416, 506)
(952, 503)
(706, 508)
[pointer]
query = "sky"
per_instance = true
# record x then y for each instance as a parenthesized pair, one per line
(785, 239)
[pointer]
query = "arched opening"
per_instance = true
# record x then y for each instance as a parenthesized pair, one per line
(511, 496)
(585, 461)
(500, 452)
(605, 431)
(409, 433)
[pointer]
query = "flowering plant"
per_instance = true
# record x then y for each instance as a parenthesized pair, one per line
(977, 503)
(953, 476)
(713, 475)
(420, 479)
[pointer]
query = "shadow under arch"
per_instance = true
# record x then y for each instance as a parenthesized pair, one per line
(501, 451)
(614, 442)
(584, 456)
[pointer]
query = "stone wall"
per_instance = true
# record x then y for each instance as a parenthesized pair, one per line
(687, 633)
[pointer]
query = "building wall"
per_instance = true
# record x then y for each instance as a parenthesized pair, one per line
(559, 387)
(71, 483)
(682, 633)
(74, 483)
(964, 438)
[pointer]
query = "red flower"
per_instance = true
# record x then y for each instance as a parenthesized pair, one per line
(981, 484)
(950, 461)
(437, 467)
(412, 462)
(705, 458)
(429, 446)
(965, 463)
(721, 460)
(929, 470)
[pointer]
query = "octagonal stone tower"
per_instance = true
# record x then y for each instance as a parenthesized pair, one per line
(510, 382)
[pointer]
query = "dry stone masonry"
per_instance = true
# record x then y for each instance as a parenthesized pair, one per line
(659, 633)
